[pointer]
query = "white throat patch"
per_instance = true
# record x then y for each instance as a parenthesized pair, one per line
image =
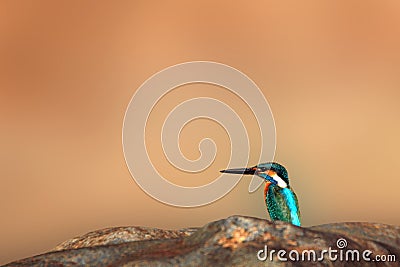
(280, 181)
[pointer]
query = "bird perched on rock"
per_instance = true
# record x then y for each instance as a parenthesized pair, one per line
(281, 201)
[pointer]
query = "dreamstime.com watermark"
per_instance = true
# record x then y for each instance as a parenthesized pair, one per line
(340, 253)
(153, 90)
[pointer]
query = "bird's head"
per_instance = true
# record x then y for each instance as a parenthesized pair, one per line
(271, 172)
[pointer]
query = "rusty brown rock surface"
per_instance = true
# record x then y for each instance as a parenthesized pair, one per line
(388, 234)
(118, 235)
(234, 241)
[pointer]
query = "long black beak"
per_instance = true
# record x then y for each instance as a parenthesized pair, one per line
(241, 170)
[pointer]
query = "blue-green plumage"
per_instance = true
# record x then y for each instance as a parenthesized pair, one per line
(282, 205)
(281, 201)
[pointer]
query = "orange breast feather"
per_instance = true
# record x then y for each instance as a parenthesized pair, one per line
(267, 184)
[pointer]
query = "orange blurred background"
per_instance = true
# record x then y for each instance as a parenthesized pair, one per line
(68, 69)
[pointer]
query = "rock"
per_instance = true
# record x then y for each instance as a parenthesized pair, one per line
(235, 241)
(118, 235)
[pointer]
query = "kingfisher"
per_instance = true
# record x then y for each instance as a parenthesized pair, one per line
(281, 201)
